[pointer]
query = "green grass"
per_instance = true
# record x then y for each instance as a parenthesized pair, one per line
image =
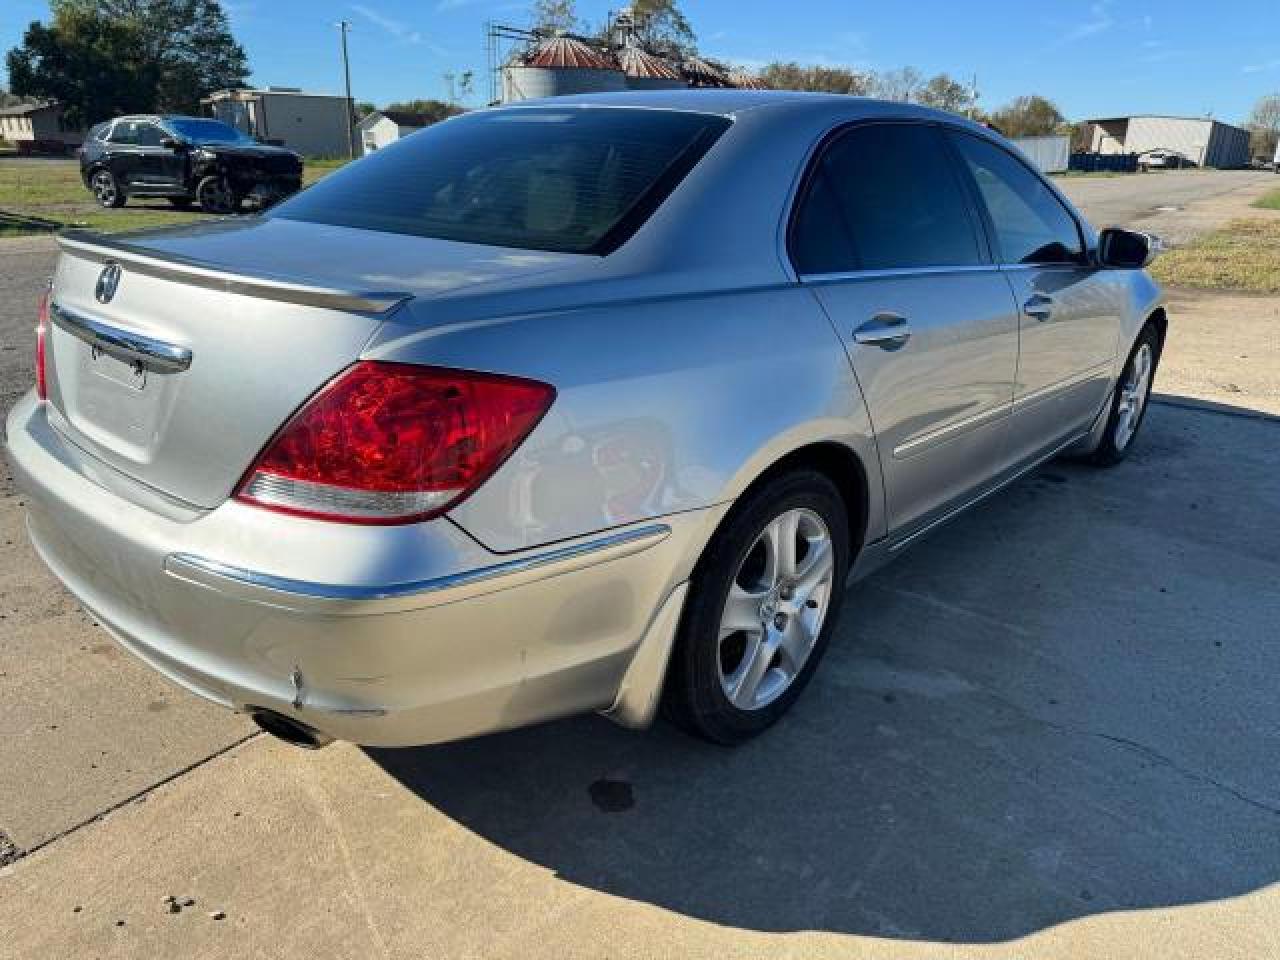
(1243, 256)
(1269, 201)
(42, 197)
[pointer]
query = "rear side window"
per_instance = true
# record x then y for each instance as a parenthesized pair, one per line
(568, 180)
(1031, 224)
(883, 197)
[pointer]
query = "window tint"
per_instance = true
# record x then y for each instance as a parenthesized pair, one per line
(897, 198)
(125, 131)
(1031, 224)
(149, 135)
(571, 180)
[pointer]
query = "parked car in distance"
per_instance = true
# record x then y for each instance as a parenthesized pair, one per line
(185, 160)
(1163, 160)
(585, 404)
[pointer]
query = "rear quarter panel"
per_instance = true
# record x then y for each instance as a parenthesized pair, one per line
(662, 406)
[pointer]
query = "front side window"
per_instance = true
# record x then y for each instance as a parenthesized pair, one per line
(149, 135)
(884, 197)
(568, 180)
(1031, 224)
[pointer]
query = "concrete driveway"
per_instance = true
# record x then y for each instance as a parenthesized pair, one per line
(1050, 730)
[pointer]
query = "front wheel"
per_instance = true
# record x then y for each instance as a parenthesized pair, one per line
(106, 189)
(1129, 401)
(761, 608)
(216, 195)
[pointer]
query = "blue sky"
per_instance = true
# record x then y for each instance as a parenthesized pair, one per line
(1108, 57)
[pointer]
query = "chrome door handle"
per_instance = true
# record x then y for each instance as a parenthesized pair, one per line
(885, 330)
(1039, 307)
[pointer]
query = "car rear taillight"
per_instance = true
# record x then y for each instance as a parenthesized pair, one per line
(392, 443)
(42, 329)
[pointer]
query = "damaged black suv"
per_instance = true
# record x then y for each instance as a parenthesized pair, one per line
(185, 160)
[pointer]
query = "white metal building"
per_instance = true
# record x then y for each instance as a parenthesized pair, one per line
(1204, 141)
(1051, 154)
(383, 128)
(314, 124)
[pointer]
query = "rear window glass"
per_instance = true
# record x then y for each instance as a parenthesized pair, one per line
(573, 181)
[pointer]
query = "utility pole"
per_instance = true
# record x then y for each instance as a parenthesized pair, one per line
(973, 97)
(343, 27)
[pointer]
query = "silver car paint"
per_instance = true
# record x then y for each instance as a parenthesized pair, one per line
(686, 363)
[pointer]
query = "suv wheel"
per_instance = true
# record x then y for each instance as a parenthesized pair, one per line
(761, 608)
(215, 195)
(106, 189)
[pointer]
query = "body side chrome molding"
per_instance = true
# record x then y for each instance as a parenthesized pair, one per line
(121, 343)
(197, 273)
(211, 573)
(995, 488)
(1044, 393)
(887, 272)
(934, 437)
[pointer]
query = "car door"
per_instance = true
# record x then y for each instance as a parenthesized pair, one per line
(888, 241)
(122, 157)
(1070, 309)
(158, 166)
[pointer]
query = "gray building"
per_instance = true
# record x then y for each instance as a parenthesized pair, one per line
(38, 126)
(1203, 141)
(313, 124)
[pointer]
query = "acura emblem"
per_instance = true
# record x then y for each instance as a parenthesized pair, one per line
(108, 280)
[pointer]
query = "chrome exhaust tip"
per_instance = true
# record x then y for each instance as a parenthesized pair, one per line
(289, 730)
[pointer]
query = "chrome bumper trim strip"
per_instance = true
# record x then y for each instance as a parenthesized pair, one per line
(625, 543)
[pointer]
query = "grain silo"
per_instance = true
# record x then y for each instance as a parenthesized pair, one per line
(644, 71)
(745, 81)
(701, 73)
(558, 66)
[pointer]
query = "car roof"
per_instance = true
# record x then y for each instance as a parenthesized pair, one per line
(727, 102)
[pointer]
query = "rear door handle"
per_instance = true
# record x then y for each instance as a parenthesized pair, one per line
(889, 331)
(1039, 307)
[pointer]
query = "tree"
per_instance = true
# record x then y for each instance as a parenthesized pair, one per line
(433, 110)
(815, 79)
(101, 57)
(943, 93)
(901, 84)
(1031, 116)
(1264, 126)
(661, 27)
(555, 16)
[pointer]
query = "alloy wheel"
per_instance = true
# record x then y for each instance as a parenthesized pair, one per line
(775, 609)
(104, 188)
(216, 196)
(1133, 395)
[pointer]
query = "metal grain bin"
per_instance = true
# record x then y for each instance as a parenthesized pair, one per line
(644, 71)
(557, 67)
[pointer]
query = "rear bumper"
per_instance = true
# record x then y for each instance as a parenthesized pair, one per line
(382, 636)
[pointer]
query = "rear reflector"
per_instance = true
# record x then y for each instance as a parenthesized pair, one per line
(393, 443)
(42, 331)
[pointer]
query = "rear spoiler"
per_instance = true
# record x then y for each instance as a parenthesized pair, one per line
(105, 249)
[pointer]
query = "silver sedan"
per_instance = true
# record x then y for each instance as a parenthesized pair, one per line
(585, 404)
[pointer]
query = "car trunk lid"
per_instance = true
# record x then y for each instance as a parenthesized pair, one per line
(175, 357)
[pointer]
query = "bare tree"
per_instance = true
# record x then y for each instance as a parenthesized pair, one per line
(555, 16)
(901, 84)
(1264, 126)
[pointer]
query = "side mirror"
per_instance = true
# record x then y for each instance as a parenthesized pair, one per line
(1126, 249)
(171, 143)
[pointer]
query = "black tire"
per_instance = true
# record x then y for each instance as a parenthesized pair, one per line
(1117, 441)
(106, 189)
(215, 195)
(694, 696)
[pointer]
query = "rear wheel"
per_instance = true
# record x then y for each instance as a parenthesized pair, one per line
(106, 189)
(761, 608)
(1129, 402)
(216, 195)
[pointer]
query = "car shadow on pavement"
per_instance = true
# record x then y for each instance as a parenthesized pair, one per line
(1060, 706)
